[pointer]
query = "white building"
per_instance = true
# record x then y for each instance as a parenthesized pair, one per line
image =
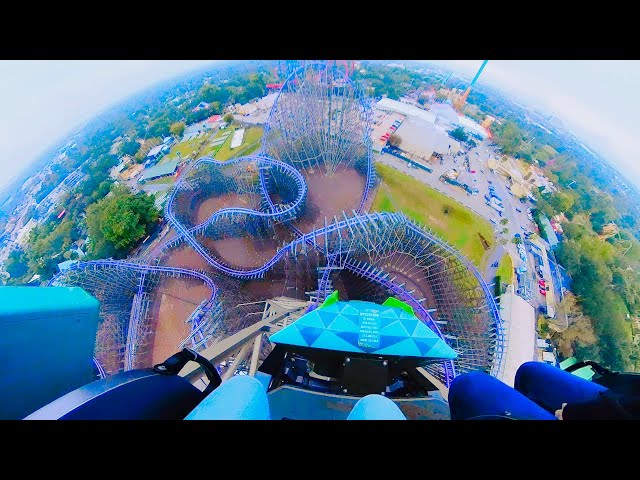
(388, 105)
(423, 139)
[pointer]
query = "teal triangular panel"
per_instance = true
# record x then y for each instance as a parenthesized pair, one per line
(311, 319)
(395, 328)
(389, 340)
(342, 324)
(310, 334)
(441, 350)
(326, 317)
(405, 348)
(289, 336)
(422, 331)
(425, 344)
(329, 341)
(350, 337)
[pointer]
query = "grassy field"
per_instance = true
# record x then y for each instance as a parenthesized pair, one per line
(250, 142)
(450, 219)
(161, 181)
(186, 148)
(505, 269)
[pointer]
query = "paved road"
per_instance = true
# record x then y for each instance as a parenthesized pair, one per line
(480, 180)
(489, 273)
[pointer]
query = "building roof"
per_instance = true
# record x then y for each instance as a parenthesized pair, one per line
(213, 118)
(160, 170)
(155, 150)
(472, 126)
(548, 229)
(365, 327)
(423, 138)
(446, 111)
(405, 109)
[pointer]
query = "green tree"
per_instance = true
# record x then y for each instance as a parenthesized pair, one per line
(118, 221)
(459, 134)
(228, 118)
(561, 201)
(129, 147)
(177, 129)
(16, 264)
(509, 138)
(395, 140)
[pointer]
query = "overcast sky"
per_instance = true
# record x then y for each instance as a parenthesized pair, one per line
(598, 100)
(42, 101)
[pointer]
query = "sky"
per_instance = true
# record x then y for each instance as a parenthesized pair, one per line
(598, 100)
(43, 101)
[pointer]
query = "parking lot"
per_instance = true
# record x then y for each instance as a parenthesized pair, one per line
(382, 122)
(515, 212)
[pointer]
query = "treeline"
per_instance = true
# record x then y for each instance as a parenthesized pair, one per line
(380, 80)
(604, 272)
(605, 277)
(154, 117)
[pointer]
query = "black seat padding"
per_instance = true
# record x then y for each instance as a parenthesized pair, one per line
(132, 395)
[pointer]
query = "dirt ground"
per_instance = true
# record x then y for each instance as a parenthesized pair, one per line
(329, 196)
(185, 257)
(213, 204)
(176, 299)
(244, 252)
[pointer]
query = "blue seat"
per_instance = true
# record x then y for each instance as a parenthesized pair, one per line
(375, 407)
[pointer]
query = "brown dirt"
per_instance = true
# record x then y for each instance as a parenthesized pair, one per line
(213, 204)
(245, 252)
(329, 196)
(263, 289)
(186, 257)
(176, 299)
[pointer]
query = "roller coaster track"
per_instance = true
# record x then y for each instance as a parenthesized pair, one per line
(209, 305)
(321, 239)
(101, 372)
(277, 214)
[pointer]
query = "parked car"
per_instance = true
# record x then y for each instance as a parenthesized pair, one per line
(543, 292)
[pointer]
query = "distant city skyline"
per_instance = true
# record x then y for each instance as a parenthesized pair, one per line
(596, 99)
(45, 101)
